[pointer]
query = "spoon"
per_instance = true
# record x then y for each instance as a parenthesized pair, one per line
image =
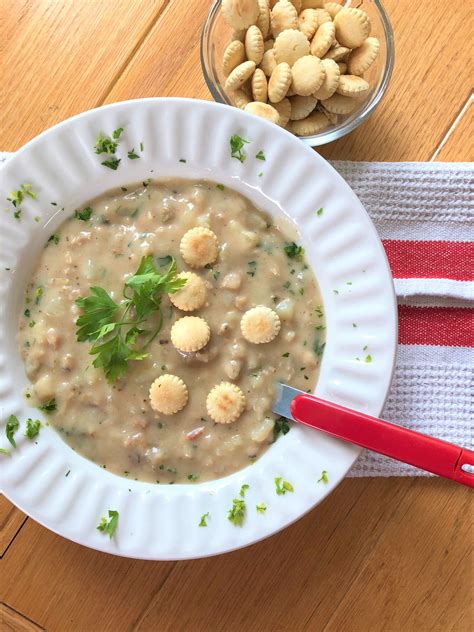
(427, 453)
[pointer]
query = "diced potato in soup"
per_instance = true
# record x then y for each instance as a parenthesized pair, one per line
(112, 423)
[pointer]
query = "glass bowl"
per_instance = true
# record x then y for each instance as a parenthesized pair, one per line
(215, 36)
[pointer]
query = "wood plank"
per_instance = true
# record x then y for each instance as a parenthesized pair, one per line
(13, 621)
(167, 63)
(64, 586)
(419, 575)
(60, 58)
(458, 146)
(278, 583)
(430, 83)
(11, 520)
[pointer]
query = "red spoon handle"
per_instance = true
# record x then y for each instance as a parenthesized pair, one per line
(436, 456)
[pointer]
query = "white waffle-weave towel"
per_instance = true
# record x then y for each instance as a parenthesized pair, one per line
(424, 215)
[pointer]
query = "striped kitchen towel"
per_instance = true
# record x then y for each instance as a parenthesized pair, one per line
(424, 215)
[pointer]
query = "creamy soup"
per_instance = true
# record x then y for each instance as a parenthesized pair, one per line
(112, 422)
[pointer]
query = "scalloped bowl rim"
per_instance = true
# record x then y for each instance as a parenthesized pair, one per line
(60, 163)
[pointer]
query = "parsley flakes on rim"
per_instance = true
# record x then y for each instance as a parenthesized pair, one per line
(282, 486)
(12, 426)
(109, 526)
(237, 144)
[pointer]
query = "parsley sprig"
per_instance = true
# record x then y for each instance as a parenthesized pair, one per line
(282, 486)
(113, 328)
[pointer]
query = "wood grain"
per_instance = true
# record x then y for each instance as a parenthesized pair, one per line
(61, 57)
(389, 555)
(13, 621)
(11, 520)
(431, 81)
(458, 145)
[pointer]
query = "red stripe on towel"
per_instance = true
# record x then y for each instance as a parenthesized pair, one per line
(431, 259)
(443, 326)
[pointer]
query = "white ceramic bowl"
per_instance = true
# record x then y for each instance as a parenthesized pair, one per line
(161, 521)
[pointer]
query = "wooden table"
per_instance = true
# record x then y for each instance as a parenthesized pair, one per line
(381, 555)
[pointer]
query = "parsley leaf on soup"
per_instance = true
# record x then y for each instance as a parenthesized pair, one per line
(83, 215)
(281, 427)
(12, 426)
(49, 407)
(261, 508)
(293, 251)
(109, 526)
(99, 310)
(114, 328)
(113, 356)
(237, 144)
(202, 522)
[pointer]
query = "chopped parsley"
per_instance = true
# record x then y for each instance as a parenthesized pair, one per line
(112, 163)
(142, 147)
(38, 294)
(54, 238)
(221, 187)
(260, 156)
(282, 486)
(281, 427)
(49, 407)
(84, 215)
(243, 489)
(354, 325)
(324, 477)
(204, 517)
(318, 347)
(109, 526)
(132, 155)
(113, 328)
(107, 144)
(260, 174)
(16, 198)
(216, 274)
(320, 211)
(32, 428)
(261, 508)
(236, 513)
(285, 355)
(368, 359)
(192, 477)
(32, 323)
(336, 291)
(182, 160)
(286, 285)
(293, 251)
(319, 311)
(237, 144)
(252, 268)
(27, 313)
(12, 426)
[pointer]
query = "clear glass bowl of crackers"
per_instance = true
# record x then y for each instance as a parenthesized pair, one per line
(317, 68)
